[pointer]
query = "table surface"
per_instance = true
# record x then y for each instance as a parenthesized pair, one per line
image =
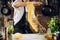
(31, 37)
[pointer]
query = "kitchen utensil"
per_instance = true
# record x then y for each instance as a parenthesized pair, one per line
(48, 10)
(5, 10)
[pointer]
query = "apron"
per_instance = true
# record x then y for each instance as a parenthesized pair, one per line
(22, 26)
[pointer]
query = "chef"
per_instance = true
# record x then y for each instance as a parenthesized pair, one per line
(20, 15)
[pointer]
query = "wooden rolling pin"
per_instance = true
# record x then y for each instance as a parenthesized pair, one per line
(5, 26)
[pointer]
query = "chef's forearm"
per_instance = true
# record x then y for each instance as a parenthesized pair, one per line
(19, 4)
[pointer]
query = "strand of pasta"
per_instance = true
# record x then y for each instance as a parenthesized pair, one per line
(30, 20)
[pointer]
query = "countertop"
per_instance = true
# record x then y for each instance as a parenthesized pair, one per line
(31, 37)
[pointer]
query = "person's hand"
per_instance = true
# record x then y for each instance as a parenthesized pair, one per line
(37, 3)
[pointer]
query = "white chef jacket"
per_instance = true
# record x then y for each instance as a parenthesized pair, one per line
(18, 12)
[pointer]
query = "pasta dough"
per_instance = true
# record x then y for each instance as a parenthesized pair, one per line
(18, 35)
(30, 20)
